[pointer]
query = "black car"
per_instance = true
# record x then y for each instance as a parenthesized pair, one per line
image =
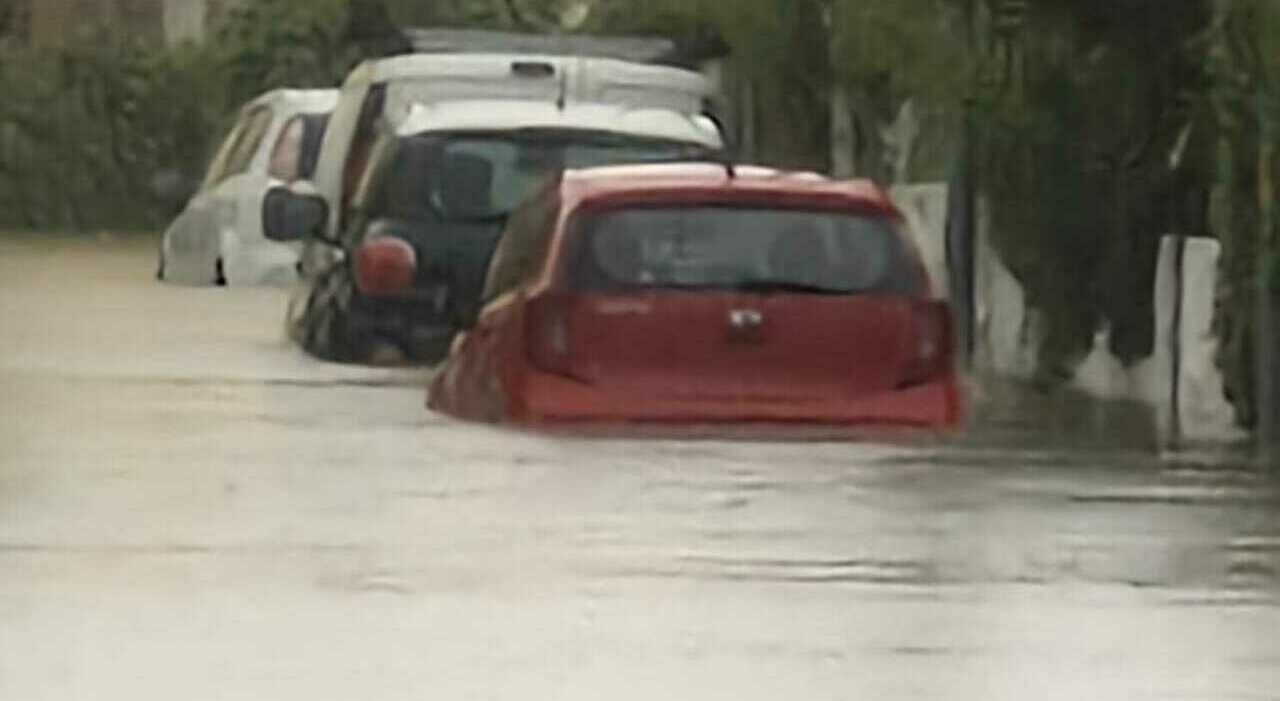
(420, 230)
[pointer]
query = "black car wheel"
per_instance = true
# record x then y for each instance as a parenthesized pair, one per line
(327, 331)
(340, 326)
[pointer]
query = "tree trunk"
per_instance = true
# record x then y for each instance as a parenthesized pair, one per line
(844, 143)
(748, 145)
(1265, 375)
(841, 128)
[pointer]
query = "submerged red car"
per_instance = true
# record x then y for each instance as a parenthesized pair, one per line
(704, 294)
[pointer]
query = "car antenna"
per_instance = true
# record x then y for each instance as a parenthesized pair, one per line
(563, 100)
(726, 161)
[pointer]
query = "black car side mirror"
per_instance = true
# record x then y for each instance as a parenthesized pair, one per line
(292, 216)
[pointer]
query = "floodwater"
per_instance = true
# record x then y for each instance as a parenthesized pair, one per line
(191, 509)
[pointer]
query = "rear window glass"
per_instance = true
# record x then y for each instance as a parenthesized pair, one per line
(741, 248)
(416, 179)
(298, 148)
(406, 169)
(468, 177)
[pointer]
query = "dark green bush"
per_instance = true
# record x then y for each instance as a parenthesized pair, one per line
(86, 129)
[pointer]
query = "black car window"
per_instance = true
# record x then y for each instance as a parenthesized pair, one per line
(721, 247)
(417, 178)
(483, 177)
(394, 185)
(516, 164)
(524, 245)
(315, 126)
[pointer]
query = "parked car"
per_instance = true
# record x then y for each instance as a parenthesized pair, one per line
(426, 218)
(218, 237)
(385, 91)
(704, 293)
(426, 154)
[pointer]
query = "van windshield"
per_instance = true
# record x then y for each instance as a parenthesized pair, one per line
(753, 249)
(485, 176)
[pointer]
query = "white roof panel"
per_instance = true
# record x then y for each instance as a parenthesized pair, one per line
(428, 79)
(499, 115)
(289, 100)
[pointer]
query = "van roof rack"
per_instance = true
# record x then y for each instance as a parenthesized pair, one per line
(638, 49)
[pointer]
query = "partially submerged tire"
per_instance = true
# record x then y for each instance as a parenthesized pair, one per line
(326, 331)
(332, 329)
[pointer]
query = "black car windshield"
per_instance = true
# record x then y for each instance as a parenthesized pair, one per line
(752, 249)
(480, 176)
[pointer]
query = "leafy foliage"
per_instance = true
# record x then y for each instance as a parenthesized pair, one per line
(87, 127)
(283, 42)
(1078, 162)
(1240, 110)
(300, 43)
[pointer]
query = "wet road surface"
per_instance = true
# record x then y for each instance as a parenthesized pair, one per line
(191, 509)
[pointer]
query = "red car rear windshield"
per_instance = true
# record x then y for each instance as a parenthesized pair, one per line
(741, 248)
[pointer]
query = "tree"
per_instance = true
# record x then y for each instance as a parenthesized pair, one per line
(299, 43)
(1077, 164)
(1242, 109)
(886, 55)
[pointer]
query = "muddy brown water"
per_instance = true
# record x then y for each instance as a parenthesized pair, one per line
(190, 508)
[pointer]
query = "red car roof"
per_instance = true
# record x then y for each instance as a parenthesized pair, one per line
(689, 182)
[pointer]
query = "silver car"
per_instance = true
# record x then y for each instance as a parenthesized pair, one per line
(218, 237)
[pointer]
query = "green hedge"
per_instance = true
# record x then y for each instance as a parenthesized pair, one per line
(88, 129)
(85, 129)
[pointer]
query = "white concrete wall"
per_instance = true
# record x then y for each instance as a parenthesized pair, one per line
(1009, 332)
(925, 207)
(1205, 414)
(1205, 411)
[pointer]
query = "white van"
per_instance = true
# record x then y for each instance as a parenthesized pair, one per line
(387, 89)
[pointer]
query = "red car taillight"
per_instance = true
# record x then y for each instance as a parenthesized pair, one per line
(385, 267)
(932, 344)
(549, 335)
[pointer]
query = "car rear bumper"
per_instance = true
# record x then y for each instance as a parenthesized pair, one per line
(550, 399)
